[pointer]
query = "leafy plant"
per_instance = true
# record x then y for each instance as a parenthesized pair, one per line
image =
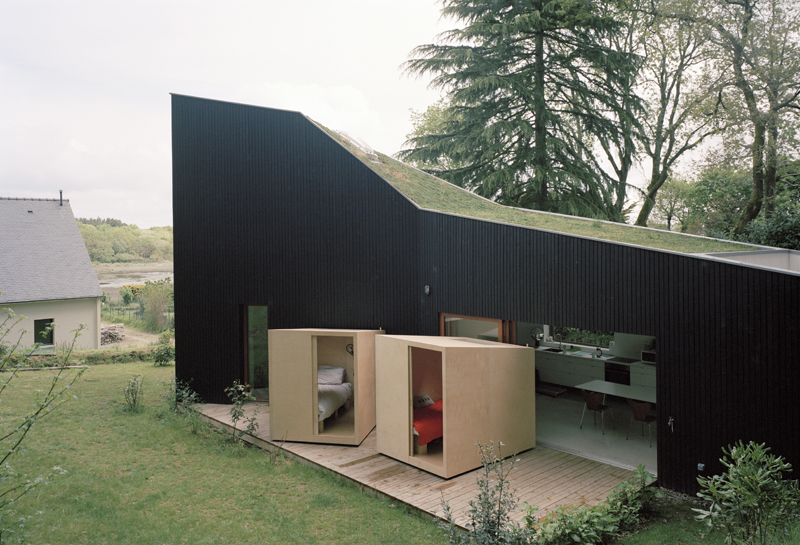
(164, 351)
(489, 519)
(751, 502)
(13, 357)
(181, 399)
(239, 395)
(155, 299)
(134, 392)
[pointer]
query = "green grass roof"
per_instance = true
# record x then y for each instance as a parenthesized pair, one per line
(432, 193)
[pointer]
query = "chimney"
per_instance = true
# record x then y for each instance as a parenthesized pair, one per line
(60, 197)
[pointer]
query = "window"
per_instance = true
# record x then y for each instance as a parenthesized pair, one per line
(453, 325)
(582, 336)
(43, 331)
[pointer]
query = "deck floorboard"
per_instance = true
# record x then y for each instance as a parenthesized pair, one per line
(542, 476)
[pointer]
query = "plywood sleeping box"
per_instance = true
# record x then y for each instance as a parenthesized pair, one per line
(294, 355)
(488, 390)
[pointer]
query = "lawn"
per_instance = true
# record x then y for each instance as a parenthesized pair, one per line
(143, 477)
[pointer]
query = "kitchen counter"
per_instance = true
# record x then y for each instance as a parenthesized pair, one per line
(574, 368)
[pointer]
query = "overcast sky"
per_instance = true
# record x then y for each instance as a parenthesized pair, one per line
(85, 85)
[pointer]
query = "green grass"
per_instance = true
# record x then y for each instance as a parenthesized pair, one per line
(674, 524)
(431, 193)
(145, 478)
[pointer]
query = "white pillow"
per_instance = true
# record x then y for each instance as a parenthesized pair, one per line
(330, 375)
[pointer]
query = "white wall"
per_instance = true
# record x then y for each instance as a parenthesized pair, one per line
(628, 345)
(67, 315)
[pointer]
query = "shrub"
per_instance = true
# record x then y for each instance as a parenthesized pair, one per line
(134, 392)
(155, 299)
(751, 502)
(782, 230)
(129, 292)
(239, 395)
(164, 350)
(488, 516)
(180, 398)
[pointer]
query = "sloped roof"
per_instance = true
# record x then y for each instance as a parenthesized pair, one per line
(431, 193)
(42, 254)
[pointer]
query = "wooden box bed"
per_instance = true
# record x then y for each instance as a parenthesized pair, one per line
(481, 391)
(322, 385)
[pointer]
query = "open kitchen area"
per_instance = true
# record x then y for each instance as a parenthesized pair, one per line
(610, 368)
(619, 368)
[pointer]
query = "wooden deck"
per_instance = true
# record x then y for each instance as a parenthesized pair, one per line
(542, 476)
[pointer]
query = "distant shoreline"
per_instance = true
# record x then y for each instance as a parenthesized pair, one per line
(112, 276)
(133, 267)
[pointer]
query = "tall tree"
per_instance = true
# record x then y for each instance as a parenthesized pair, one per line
(758, 43)
(680, 93)
(524, 79)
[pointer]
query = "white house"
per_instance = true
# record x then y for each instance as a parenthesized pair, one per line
(46, 274)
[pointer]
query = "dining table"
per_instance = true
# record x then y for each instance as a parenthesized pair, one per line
(637, 393)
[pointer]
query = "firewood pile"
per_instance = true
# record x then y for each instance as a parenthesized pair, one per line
(113, 333)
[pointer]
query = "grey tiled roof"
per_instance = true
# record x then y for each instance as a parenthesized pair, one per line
(42, 255)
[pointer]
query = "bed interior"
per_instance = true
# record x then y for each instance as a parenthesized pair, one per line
(426, 379)
(336, 351)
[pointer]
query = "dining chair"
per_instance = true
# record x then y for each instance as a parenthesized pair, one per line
(594, 402)
(641, 413)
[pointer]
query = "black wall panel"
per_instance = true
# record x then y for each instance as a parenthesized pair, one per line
(269, 210)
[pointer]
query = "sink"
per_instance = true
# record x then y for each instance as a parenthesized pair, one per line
(556, 350)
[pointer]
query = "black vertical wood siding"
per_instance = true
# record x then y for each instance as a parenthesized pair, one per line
(269, 210)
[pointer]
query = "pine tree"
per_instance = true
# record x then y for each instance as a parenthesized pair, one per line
(531, 89)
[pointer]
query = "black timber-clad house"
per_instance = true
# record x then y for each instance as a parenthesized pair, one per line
(271, 210)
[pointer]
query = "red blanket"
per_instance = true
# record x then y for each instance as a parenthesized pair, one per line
(428, 422)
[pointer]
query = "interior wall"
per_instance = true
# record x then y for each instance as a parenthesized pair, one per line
(630, 346)
(426, 372)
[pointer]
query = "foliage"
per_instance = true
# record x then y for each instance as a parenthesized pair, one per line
(583, 336)
(531, 88)
(489, 518)
(757, 50)
(111, 241)
(164, 350)
(679, 85)
(129, 292)
(55, 392)
(781, 230)
(240, 394)
(715, 200)
(134, 392)
(751, 502)
(155, 299)
(181, 399)
(622, 509)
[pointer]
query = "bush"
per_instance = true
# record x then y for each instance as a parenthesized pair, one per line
(489, 515)
(134, 392)
(782, 230)
(751, 502)
(129, 292)
(164, 351)
(489, 518)
(155, 299)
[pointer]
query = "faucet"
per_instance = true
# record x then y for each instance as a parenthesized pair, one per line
(558, 338)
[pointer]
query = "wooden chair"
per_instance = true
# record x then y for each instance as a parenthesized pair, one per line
(641, 413)
(594, 402)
